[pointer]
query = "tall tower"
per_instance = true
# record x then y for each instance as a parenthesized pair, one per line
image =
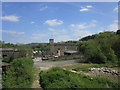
(51, 41)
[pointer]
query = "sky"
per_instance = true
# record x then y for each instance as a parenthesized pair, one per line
(37, 22)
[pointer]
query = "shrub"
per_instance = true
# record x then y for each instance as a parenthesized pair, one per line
(20, 74)
(59, 78)
(7, 59)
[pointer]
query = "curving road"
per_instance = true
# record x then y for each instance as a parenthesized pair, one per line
(54, 63)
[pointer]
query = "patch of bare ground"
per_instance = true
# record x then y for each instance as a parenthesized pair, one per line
(36, 83)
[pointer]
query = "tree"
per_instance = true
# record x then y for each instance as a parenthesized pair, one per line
(102, 49)
(24, 50)
(20, 74)
(118, 31)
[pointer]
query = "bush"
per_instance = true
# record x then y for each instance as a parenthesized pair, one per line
(20, 74)
(7, 59)
(59, 78)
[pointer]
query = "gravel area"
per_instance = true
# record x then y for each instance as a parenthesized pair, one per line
(54, 63)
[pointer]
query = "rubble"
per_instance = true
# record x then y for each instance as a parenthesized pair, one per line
(104, 70)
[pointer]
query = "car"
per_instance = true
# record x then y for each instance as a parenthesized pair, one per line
(44, 58)
(56, 56)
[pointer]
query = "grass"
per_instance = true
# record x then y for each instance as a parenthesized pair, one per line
(59, 78)
(84, 66)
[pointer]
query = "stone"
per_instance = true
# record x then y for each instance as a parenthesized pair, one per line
(104, 70)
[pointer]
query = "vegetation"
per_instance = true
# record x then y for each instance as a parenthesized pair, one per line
(19, 75)
(7, 45)
(59, 78)
(104, 48)
(71, 42)
(24, 51)
(88, 38)
(7, 59)
(84, 67)
(40, 46)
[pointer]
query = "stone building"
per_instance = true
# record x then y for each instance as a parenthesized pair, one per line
(12, 52)
(60, 49)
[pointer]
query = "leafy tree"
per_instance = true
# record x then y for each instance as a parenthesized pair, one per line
(88, 38)
(7, 45)
(93, 52)
(24, 50)
(20, 74)
(118, 31)
(104, 48)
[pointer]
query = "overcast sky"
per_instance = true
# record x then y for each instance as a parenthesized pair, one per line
(28, 22)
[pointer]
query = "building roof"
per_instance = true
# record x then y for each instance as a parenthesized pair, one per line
(8, 49)
(65, 44)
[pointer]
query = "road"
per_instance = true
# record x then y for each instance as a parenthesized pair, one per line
(54, 63)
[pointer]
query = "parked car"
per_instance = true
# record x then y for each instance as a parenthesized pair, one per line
(56, 56)
(44, 58)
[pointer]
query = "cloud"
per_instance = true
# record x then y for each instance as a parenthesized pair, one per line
(62, 38)
(54, 22)
(11, 18)
(86, 8)
(82, 33)
(43, 8)
(111, 27)
(12, 32)
(54, 32)
(51, 29)
(89, 6)
(83, 29)
(60, 34)
(39, 36)
(115, 9)
(32, 22)
(79, 26)
(115, 21)
(57, 31)
(84, 25)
